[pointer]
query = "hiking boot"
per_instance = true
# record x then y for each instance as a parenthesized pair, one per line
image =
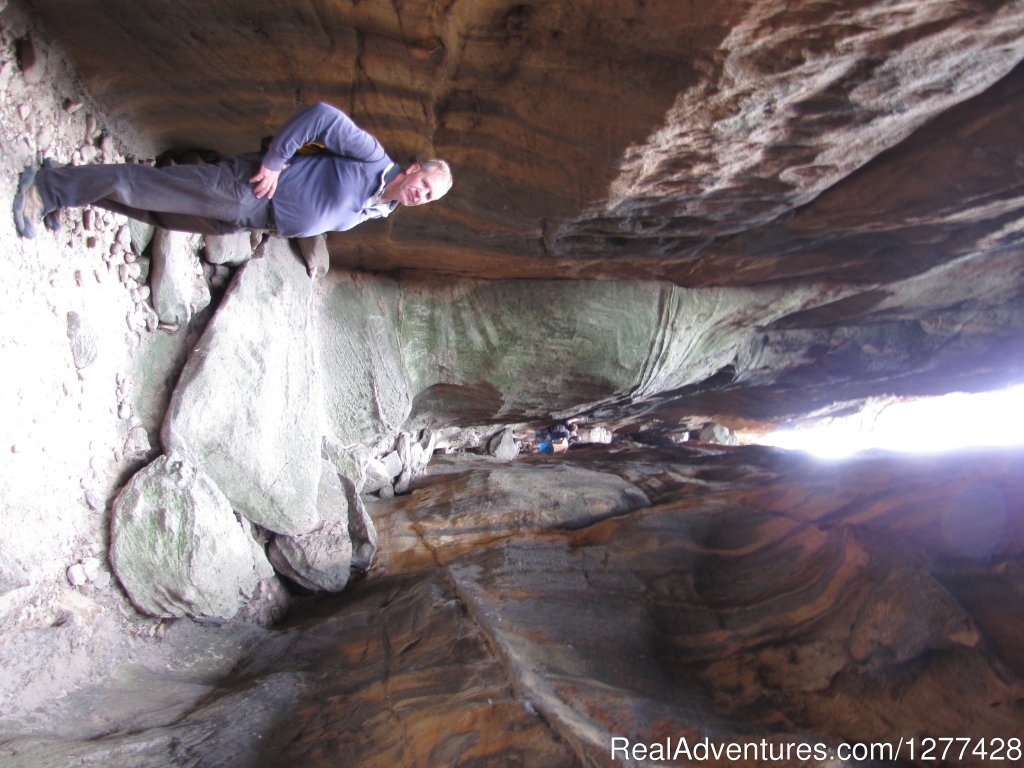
(28, 205)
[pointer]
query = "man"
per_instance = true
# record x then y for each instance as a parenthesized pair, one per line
(346, 179)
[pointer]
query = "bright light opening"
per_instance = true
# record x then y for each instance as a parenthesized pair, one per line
(925, 425)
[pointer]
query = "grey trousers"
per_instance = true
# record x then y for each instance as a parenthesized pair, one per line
(210, 198)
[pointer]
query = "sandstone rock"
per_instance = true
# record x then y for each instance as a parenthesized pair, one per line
(219, 276)
(367, 392)
(929, 620)
(487, 350)
(717, 433)
(95, 501)
(376, 475)
(319, 560)
(91, 568)
(31, 61)
(315, 253)
(427, 443)
(12, 575)
(123, 237)
(136, 444)
(595, 434)
(178, 290)
(361, 530)
(177, 547)
(349, 461)
(141, 236)
(404, 452)
(231, 250)
(393, 463)
(503, 445)
(44, 138)
(553, 496)
(246, 407)
(76, 575)
(83, 341)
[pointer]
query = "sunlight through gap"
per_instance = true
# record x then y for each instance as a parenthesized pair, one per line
(925, 425)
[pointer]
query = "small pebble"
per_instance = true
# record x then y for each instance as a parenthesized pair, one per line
(45, 137)
(94, 501)
(76, 575)
(91, 567)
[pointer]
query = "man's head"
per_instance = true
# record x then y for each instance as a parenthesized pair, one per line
(419, 183)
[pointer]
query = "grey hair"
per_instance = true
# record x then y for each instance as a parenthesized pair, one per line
(440, 167)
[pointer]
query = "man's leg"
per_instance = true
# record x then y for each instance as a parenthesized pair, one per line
(180, 222)
(210, 198)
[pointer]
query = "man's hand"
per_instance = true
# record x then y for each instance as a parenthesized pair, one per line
(265, 181)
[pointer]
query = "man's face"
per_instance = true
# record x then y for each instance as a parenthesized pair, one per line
(414, 186)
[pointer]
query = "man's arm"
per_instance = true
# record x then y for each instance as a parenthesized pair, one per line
(326, 125)
(321, 123)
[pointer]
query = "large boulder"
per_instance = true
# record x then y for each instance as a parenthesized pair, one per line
(178, 286)
(177, 547)
(247, 405)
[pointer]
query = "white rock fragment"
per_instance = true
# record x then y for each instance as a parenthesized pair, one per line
(76, 575)
(91, 568)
